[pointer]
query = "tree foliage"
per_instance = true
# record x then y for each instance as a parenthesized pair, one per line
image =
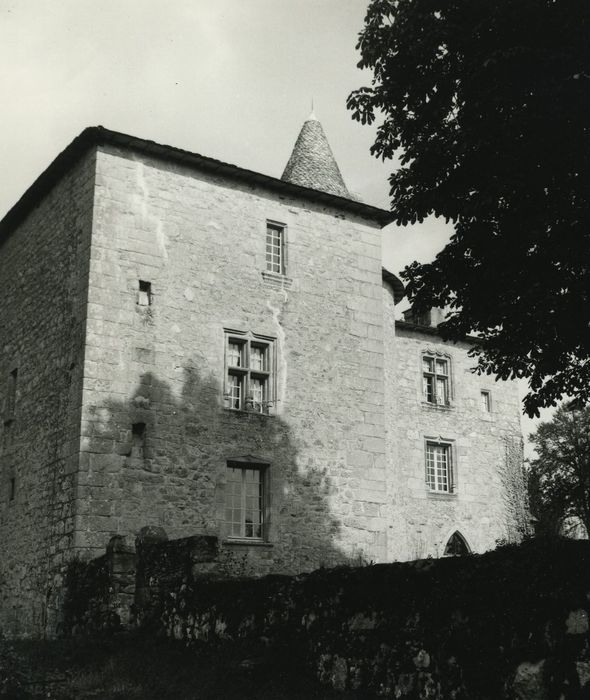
(559, 478)
(487, 104)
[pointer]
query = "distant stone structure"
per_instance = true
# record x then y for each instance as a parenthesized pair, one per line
(196, 347)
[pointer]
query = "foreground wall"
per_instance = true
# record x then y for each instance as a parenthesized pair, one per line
(43, 268)
(512, 623)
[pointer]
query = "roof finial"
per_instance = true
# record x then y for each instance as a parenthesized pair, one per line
(312, 115)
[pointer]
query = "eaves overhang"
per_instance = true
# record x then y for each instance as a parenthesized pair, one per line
(433, 330)
(96, 136)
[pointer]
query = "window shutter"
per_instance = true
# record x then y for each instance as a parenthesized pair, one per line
(451, 471)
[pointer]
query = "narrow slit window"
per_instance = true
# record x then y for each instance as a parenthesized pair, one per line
(138, 440)
(11, 396)
(12, 488)
(144, 295)
(486, 401)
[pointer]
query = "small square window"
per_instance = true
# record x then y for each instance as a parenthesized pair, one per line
(486, 401)
(275, 248)
(144, 295)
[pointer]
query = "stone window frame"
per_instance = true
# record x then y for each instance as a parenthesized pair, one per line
(145, 293)
(452, 467)
(263, 466)
(437, 355)
(459, 537)
(247, 374)
(272, 278)
(281, 229)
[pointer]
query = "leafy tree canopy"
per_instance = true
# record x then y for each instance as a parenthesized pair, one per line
(487, 104)
(559, 478)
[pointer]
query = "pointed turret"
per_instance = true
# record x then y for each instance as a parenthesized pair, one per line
(312, 162)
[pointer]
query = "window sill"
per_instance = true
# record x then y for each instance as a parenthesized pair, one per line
(437, 406)
(442, 495)
(273, 279)
(241, 542)
(246, 412)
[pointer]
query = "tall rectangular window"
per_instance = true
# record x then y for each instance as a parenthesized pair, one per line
(249, 373)
(486, 401)
(435, 380)
(10, 407)
(244, 501)
(439, 475)
(275, 248)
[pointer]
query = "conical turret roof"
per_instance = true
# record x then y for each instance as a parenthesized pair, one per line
(312, 162)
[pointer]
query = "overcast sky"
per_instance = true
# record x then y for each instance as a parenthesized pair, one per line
(230, 79)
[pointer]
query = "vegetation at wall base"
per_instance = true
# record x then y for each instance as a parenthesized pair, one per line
(461, 627)
(135, 666)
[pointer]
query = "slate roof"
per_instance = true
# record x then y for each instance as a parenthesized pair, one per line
(312, 163)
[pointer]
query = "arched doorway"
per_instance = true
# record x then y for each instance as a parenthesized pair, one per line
(456, 546)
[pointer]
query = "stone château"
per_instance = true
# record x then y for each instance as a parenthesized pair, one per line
(194, 346)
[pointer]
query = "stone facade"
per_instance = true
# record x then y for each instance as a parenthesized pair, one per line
(486, 503)
(200, 242)
(129, 265)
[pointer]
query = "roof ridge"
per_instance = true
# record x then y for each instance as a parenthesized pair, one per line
(100, 135)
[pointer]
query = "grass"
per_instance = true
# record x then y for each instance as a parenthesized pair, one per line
(137, 667)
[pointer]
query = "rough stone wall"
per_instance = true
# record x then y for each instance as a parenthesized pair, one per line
(99, 595)
(489, 502)
(200, 241)
(43, 268)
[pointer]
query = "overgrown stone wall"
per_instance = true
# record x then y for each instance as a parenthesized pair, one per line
(44, 271)
(512, 623)
(99, 594)
(127, 585)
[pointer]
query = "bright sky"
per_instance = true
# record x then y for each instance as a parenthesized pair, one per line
(230, 79)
